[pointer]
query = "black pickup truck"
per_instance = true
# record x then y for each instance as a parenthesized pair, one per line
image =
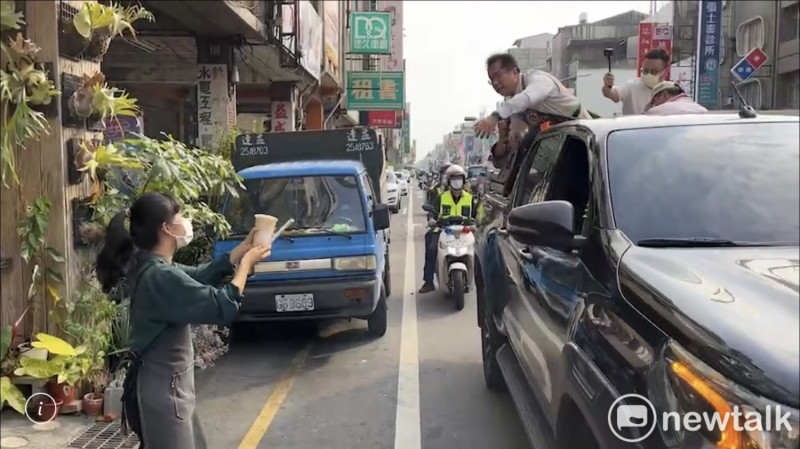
(644, 267)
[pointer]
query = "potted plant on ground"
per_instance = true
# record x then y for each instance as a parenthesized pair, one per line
(93, 401)
(67, 366)
(90, 317)
(9, 393)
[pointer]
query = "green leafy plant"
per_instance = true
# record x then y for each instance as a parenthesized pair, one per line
(90, 317)
(92, 156)
(32, 230)
(95, 98)
(24, 86)
(67, 366)
(9, 393)
(108, 20)
(10, 19)
(188, 174)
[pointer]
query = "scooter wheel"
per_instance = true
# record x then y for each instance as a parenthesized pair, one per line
(459, 288)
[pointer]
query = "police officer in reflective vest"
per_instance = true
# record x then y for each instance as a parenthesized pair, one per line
(454, 201)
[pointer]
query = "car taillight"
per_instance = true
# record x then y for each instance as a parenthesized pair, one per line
(465, 230)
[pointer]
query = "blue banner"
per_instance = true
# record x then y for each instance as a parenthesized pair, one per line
(708, 48)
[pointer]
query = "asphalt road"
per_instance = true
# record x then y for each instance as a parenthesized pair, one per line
(330, 386)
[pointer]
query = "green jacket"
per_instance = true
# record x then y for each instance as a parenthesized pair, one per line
(167, 294)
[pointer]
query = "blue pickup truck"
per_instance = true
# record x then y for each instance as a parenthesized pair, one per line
(332, 262)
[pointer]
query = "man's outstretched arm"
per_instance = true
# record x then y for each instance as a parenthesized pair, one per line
(529, 98)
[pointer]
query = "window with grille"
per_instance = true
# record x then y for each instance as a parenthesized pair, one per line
(753, 93)
(750, 34)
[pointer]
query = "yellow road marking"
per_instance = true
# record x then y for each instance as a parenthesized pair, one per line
(274, 402)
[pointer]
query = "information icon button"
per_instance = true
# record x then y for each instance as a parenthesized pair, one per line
(41, 408)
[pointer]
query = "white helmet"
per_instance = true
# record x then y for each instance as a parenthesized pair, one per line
(455, 170)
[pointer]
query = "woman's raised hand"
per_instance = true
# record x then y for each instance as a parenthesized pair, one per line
(256, 254)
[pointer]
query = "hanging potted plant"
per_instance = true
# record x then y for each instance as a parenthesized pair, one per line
(95, 100)
(95, 25)
(27, 93)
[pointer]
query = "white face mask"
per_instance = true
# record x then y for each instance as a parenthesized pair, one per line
(650, 80)
(188, 234)
(457, 184)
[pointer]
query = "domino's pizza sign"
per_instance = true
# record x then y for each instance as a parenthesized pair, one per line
(747, 66)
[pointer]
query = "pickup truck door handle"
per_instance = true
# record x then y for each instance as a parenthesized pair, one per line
(502, 232)
(525, 253)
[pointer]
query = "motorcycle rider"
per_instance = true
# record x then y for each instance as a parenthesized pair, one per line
(437, 186)
(452, 202)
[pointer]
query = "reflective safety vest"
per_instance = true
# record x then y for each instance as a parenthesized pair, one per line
(448, 206)
(481, 212)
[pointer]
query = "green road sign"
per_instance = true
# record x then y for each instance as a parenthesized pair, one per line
(371, 33)
(375, 91)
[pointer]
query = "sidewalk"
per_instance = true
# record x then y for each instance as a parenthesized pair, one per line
(18, 432)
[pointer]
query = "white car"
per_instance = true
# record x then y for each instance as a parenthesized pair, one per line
(403, 186)
(392, 192)
(402, 182)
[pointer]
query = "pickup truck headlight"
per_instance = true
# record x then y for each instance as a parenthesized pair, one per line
(357, 263)
(746, 421)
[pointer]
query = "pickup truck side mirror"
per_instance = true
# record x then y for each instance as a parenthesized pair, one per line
(381, 217)
(550, 224)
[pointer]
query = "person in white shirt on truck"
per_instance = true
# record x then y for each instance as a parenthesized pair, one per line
(531, 91)
(636, 94)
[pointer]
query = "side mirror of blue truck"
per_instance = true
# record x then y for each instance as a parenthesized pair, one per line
(381, 217)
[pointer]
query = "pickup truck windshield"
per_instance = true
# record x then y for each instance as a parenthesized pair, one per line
(317, 204)
(390, 178)
(735, 182)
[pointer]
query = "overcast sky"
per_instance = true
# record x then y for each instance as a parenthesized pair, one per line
(446, 45)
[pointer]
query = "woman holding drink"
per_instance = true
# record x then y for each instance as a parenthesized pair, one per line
(166, 298)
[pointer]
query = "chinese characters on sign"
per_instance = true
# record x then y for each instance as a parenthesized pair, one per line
(282, 116)
(652, 36)
(382, 119)
(371, 33)
(358, 141)
(707, 79)
(252, 145)
(212, 102)
(375, 91)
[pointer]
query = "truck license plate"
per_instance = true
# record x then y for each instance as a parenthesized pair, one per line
(294, 303)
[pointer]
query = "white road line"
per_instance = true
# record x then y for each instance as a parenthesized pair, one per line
(407, 427)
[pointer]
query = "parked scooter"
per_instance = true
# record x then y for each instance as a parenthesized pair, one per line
(455, 259)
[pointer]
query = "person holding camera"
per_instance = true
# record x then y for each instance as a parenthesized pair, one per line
(636, 94)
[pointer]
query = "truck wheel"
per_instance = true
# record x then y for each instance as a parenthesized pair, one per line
(376, 323)
(459, 286)
(387, 277)
(491, 341)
